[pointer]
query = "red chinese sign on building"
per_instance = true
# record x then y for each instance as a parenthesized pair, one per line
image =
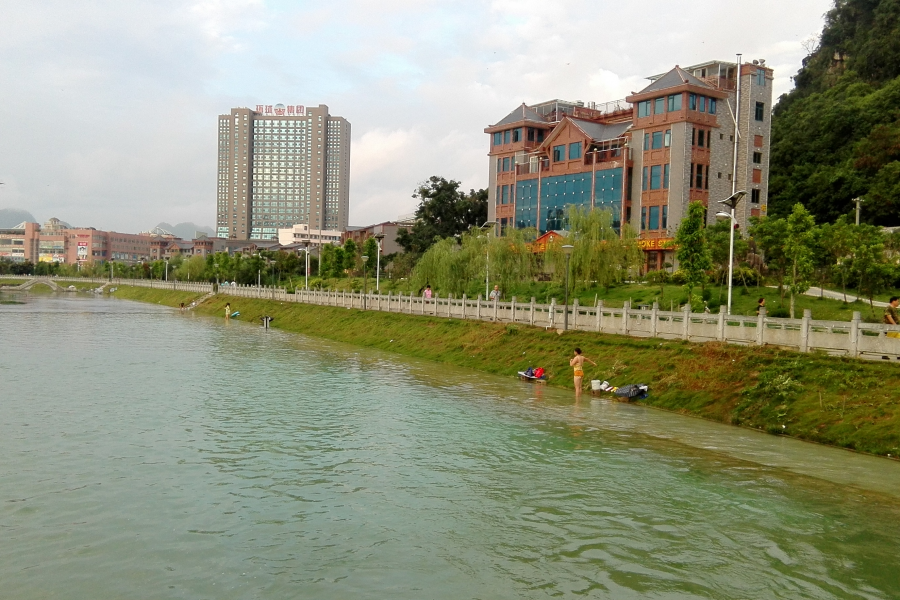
(280, 110)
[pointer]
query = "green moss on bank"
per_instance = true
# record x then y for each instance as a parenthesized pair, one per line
(841, 402)
(156, 296)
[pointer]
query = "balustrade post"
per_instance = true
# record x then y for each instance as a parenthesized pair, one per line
(574, 313)
(599, 314)
(804, 330)
(761, 326)
(478, 308)
(854, 334)
(531, 316)
(720, 326)
(654, 319)
(496, 306)
(512, 308)
(552, 312)
(464, 299)
(625, 309)
(685, 325)
(449, 306)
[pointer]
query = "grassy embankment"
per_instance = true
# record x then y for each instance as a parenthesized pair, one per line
(841, 402)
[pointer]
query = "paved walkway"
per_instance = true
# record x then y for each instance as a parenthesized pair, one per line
(814, 291)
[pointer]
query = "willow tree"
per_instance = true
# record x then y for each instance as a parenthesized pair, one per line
(457, 264)
(601, 255)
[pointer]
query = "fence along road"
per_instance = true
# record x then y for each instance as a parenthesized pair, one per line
(841, 338)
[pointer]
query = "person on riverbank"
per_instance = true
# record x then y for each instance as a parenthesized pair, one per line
(227, 310)
(890, 313)
(495, 294)
(577, 362)
(760, 304)
(428, 292)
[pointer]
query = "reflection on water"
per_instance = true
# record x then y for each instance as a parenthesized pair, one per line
(149, 453)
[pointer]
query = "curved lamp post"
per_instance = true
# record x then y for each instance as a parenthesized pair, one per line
(567, 249)
(487, 259)
(378, 238)
(365, 259)
(731, 202)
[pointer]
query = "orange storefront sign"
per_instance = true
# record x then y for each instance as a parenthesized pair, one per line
(657, 244)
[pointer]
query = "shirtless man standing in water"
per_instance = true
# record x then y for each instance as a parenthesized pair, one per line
(578, 363)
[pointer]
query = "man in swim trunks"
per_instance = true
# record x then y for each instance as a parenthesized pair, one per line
(577, 363)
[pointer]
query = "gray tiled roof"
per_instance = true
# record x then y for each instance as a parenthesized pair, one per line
(600, 132)
(675, 77)
(521, 113)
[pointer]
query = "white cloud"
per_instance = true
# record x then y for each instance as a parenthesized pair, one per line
(115, 103)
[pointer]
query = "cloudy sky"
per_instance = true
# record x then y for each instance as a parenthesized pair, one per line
(108, 108)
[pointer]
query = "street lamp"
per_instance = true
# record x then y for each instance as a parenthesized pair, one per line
(567, 249)
(487, 259)
(167, 270)
(378, 237)
(306, 270)
(365, 259)
(731, 202)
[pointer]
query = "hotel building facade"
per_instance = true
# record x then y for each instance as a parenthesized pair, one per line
(644, 158)
(279, 166)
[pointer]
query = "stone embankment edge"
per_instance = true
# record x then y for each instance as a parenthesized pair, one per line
(713, 381)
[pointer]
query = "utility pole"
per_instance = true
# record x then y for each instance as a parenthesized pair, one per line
(858, 202)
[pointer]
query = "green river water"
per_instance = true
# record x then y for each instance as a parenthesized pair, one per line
(146, 453)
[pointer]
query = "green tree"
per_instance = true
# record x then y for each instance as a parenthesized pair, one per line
(370, 249)
(444, 211)
(351, 255)
(869, 267)
(798, 250)
(693, 251)
(768, 234)
(718, 236)
(837, 245)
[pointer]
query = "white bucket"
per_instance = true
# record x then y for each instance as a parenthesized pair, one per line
(598, 386)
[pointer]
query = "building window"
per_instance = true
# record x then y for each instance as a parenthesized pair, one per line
(517, 135)
(712, 106)
(506, 136)
(666, 176)
(644, 109)
(701, 103)
(657, 140)
(674, 102)
(499, 165)
(643, 218)
(665, 217)
(754, 196)
(646, 141)
(757, 157)
(531, 134)
(668, 139)
(505, 164)
(644, 180)
(505, 196)
(760, 111)
(692, 102)
(761, 77)
(653, 221)
(574, 150)
(655, 177)
(659, 106)
(559, 153)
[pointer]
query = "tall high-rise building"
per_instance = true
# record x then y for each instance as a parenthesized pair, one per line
(279, 166)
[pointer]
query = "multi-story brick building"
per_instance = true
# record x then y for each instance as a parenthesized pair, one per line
(279, 166)
(643, 158)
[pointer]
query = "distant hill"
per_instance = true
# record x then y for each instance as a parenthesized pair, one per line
(10, 217)
(187, 231)
(836, 135)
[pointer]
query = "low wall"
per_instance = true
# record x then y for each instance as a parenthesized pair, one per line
(841, 338)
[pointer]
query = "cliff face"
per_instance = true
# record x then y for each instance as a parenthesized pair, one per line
(836, 136)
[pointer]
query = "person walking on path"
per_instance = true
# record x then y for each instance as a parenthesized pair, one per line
(890, 313)
(760, 304)
(495, 293)
(227, 310)
(428, 292)
(577, 362)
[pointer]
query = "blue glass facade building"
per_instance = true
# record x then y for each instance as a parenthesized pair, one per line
(560, 191)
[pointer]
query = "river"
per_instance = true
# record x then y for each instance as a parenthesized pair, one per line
(149, 453)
